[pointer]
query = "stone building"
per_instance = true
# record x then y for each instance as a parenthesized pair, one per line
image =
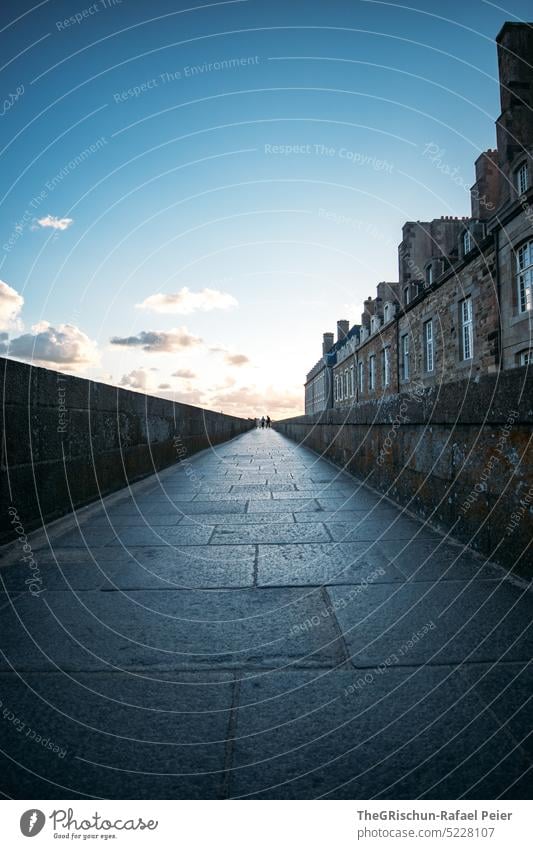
(463, 303)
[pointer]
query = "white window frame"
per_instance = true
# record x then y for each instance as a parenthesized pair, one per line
(361, 376)
(468, 242)
(526, 357)
(406, 294)
(352, 381)
(346, 383)
(429, 274)
(467, 328)
(429, 347)
(385, 370)
(522, 178)
(371, 372)
(524, 267)
(405, 356)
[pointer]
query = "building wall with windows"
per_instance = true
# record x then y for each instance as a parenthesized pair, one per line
(463, 304)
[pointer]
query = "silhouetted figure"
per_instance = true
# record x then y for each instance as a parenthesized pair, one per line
(262, 421)
(268, 421)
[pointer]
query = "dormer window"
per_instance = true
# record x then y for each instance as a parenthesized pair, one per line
(406, 295)
(468, 242)
(374, 323)
(522, 178)
(429, 275)
(388, 312)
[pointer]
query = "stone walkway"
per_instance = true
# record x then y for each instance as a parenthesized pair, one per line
(254, 624)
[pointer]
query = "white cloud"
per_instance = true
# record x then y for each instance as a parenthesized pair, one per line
(184, 374)
(136, 379)
(237, 359)
(186, 302)
(64, 346)
(159, 341)
(54, 222)
(10, 306)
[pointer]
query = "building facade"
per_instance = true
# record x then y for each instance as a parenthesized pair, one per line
(463, 303)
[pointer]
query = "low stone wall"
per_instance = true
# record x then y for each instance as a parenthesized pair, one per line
(67, 440)
(459, 455)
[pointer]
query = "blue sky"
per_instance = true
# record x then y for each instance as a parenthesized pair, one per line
(193, 194)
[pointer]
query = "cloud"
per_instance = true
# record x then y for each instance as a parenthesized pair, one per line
(64, 346)
(186, 302)
(184, 373)
(237, 359)
(164, 386)
(230, 359)
(159, 341)
(136, 379)
(10, 306)
(54, 222)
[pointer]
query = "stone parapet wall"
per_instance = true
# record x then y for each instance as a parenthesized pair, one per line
(67, 440)
(458, 455)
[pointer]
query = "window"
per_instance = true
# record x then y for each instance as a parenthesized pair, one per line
(346, 383)
(385, 366)
(352, 381)
(524, 261)
(467, 328)
(386, 313)
(406, 297)
(336, 389)
(428, 345)
(374, 323)
(522, 178)
(405, 356)
(371, 372)
(525, 357)
(360, 367)
(429, 275)
(468, 242)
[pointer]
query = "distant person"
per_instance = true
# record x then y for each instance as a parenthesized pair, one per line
(262, 421)
(268, 421)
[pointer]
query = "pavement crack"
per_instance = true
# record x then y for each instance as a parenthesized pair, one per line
(230, 738)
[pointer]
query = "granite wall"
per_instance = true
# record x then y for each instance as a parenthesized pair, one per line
(67, 440)
(459, 455)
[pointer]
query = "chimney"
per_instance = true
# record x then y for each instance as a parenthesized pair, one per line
(327, 343)
(343, 327)
(485, 191)
(514, 127)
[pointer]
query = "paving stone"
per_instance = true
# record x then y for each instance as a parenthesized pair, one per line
(239, 519)
(166, 568)
(381, 529)
(195, 508)
(270, 533)
(320, 564)
(174, 535)
(401, 734)
(154, 630)
(115, 734)
(450, 621)
(435, 560)
(304, 504)
(348, 516)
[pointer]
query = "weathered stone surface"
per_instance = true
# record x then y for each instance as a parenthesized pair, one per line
(105, 438)
(459, 456)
